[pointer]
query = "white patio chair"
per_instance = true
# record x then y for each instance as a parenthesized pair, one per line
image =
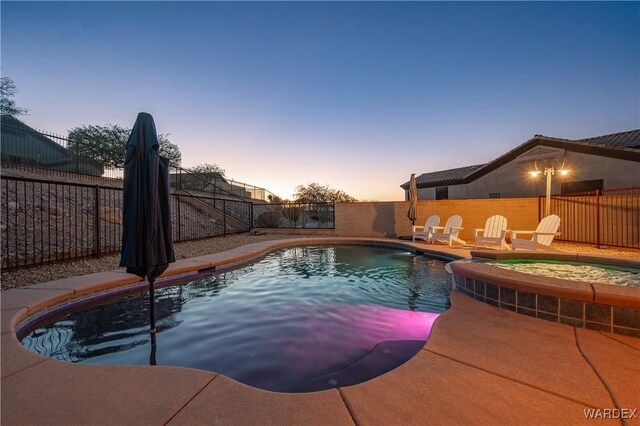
(425, 234)
(493, 233)
(542, 237)
(449, 232)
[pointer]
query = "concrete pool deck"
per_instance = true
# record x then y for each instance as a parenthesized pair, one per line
(480, 365)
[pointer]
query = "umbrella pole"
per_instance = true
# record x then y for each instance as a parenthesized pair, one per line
(152, 315)
(152, 311)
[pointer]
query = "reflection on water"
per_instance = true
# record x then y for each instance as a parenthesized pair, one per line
(605, 274)
(298, 316)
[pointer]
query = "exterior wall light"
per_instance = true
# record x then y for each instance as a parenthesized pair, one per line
(548, 167)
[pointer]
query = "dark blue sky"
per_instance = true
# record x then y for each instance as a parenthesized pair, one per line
(355, 95)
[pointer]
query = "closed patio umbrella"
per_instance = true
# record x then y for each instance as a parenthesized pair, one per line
(413, 199)
(147, 245)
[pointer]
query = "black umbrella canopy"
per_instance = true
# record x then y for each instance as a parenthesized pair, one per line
(147, 245)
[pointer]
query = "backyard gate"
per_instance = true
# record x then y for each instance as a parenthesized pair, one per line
(609, 217)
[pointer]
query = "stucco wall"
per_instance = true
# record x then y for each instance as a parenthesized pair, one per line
(375, 219)
(512, 179)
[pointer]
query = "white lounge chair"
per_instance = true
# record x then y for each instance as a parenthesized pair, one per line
(493, 233)
(425, 234)
(542, 237)
(450, 231)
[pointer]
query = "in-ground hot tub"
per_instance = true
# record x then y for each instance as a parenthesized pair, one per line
(300, 319)
(594, 292)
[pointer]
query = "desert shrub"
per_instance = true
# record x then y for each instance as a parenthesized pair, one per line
(291, 213)
(269, 219)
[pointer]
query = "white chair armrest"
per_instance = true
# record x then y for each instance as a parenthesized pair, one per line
(416, 227)
(538, 234)
(514, 233)
(477, 230)
(456, 227)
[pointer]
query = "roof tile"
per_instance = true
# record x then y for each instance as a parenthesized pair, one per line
(625, 141)
(444, 175)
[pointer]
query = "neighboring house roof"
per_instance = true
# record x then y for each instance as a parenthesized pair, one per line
(623, 145)
(10, 121)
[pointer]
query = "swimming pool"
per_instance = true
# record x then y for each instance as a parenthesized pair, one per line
(301, 319)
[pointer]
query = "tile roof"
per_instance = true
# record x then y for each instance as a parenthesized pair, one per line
(444, 175)
(622, 140)
(619, 143)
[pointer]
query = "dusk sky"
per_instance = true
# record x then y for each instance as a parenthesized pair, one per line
(354, 95)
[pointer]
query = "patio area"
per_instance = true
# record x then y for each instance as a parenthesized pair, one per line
(481, 364)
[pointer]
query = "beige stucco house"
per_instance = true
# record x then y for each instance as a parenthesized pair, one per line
(597, 163)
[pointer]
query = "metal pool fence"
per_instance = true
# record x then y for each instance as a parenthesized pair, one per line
(45, 221)
(294, 215)
(609, 217)
(26, 149)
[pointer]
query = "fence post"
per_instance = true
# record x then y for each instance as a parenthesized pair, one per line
(539, 208)
(77, 158)
(178, 206)
(597, 218)
(334, 215)
(224, 216)
(97, 222)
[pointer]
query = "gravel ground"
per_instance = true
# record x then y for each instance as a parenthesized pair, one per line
(55, 271)
(592, 249)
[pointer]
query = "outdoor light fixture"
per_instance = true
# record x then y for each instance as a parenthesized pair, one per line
(548, 167)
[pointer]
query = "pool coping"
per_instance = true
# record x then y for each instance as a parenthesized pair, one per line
(584, 291)
(628, 297)
(19, 366)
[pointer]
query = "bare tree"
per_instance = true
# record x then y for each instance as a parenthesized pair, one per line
(315, 193)
(7, 105)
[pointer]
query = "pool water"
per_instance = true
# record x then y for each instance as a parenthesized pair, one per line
(615, 275)
(301, 319)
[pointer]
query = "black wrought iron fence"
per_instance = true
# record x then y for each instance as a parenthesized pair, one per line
(198, 217)
(218, 185)
(27, 149)
(44, 221)
(294, 215)
(609, 217)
